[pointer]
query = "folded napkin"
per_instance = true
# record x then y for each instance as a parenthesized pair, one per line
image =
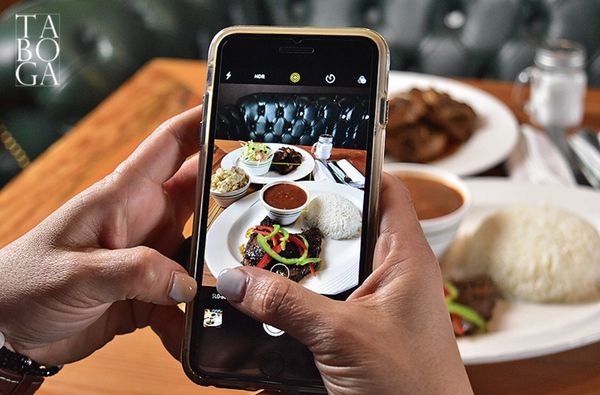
(351, 171)
(537, 160)
(321, 173)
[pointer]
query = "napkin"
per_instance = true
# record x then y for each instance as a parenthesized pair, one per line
(351, 171)
(537, 160)
(321, 173)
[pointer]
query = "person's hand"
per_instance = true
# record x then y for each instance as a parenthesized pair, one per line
(393, 334)
(99, 266)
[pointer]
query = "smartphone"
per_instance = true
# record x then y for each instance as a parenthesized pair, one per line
(293, 131)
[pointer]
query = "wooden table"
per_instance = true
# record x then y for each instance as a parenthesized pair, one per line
(358, 158)
(137, 363)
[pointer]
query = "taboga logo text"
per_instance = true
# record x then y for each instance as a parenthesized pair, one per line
(38, 49)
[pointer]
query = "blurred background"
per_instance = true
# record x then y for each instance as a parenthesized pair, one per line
(103, 42)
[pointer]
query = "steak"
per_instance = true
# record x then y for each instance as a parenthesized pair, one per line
(286, 160)
(253, 252)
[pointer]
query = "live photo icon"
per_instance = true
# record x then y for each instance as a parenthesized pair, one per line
(37, 40)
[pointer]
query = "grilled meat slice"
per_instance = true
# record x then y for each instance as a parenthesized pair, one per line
(253, 252)
(479, 293)
(286, 160)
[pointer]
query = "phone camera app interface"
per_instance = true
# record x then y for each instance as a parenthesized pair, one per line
(289, 173)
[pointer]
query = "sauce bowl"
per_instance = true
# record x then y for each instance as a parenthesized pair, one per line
(439, 231)
(284, 216)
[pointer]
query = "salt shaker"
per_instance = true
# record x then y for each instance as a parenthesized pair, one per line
(322, 148)
(558, 83)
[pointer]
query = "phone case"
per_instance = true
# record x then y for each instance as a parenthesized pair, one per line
(376, 169)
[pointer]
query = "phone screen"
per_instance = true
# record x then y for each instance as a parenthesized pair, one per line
(292, 125)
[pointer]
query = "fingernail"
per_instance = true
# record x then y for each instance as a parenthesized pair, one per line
(183, 287)
(232, 284)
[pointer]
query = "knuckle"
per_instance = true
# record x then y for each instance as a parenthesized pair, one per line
(276, 299)
(140, 268)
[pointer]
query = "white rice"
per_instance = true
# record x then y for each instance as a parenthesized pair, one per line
(337, 217)
(536, 253)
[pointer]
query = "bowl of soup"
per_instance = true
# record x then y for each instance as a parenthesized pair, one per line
(441, 200)
(284, 200)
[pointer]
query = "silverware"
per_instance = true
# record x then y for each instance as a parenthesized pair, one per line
(342, 177)
(584, 150)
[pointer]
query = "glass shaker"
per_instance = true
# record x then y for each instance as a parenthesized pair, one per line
(558, 83)
(322, 148)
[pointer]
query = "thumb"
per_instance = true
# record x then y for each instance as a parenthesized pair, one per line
(275, 300)
(140, 273)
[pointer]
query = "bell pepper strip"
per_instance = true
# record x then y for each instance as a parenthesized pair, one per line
(312, 269)
(264, 227)
(450, 291)
(457, 325)
(274, 232)
(262, 241)
(284, 238)
(264, 261)
(468, 314)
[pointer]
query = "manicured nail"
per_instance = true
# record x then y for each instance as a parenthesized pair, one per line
(183, 287)
(232, 284)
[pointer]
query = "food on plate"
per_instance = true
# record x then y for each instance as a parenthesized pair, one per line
(533, 252)
(284, 196)
(432, 198)
(272, 247)
(424, 125)
(470, 304)
(228, 180)
(337, 217)
(256, 152)
(286, 160)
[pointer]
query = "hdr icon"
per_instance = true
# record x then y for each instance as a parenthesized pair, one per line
(38, 49)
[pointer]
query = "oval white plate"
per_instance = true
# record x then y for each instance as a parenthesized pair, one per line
(491, 143)
(307, 166)
(339, 270)
(523, 330)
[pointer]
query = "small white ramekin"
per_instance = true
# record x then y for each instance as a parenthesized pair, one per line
(439, 231)
(255, 168)
(280, 216)
(225, 199)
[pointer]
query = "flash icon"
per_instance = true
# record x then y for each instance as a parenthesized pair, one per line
(295, 77)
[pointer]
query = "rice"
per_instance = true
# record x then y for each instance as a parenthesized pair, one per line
(536, 253)
(335, 216)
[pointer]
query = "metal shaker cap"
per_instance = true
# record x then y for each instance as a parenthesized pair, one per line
(560, 54)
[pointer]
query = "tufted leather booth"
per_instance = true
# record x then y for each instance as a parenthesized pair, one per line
(468, 38)
(296, 119)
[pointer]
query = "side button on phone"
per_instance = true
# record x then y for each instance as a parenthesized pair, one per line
(272, 331)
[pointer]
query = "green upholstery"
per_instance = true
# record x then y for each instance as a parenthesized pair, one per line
(103, 42)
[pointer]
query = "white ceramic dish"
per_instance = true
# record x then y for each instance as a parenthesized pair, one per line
(307, 166)
(284, 216)
(522, 330)
(492, 142)
(340, 257)
(439, 231)
(225, 199)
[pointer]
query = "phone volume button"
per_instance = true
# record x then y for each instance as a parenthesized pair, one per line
(384, 110)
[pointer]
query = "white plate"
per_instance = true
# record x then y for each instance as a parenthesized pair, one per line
(340, 258)
(524, 330)
(491, 143)
(307, 166)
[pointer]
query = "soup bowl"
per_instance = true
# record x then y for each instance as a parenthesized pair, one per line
(439, 229)
(288, 215)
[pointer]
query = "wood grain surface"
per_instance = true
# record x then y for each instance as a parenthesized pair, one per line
(137, 363)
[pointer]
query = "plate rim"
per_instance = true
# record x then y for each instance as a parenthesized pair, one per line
(260, 180)
(585, 335)
(489, 161)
